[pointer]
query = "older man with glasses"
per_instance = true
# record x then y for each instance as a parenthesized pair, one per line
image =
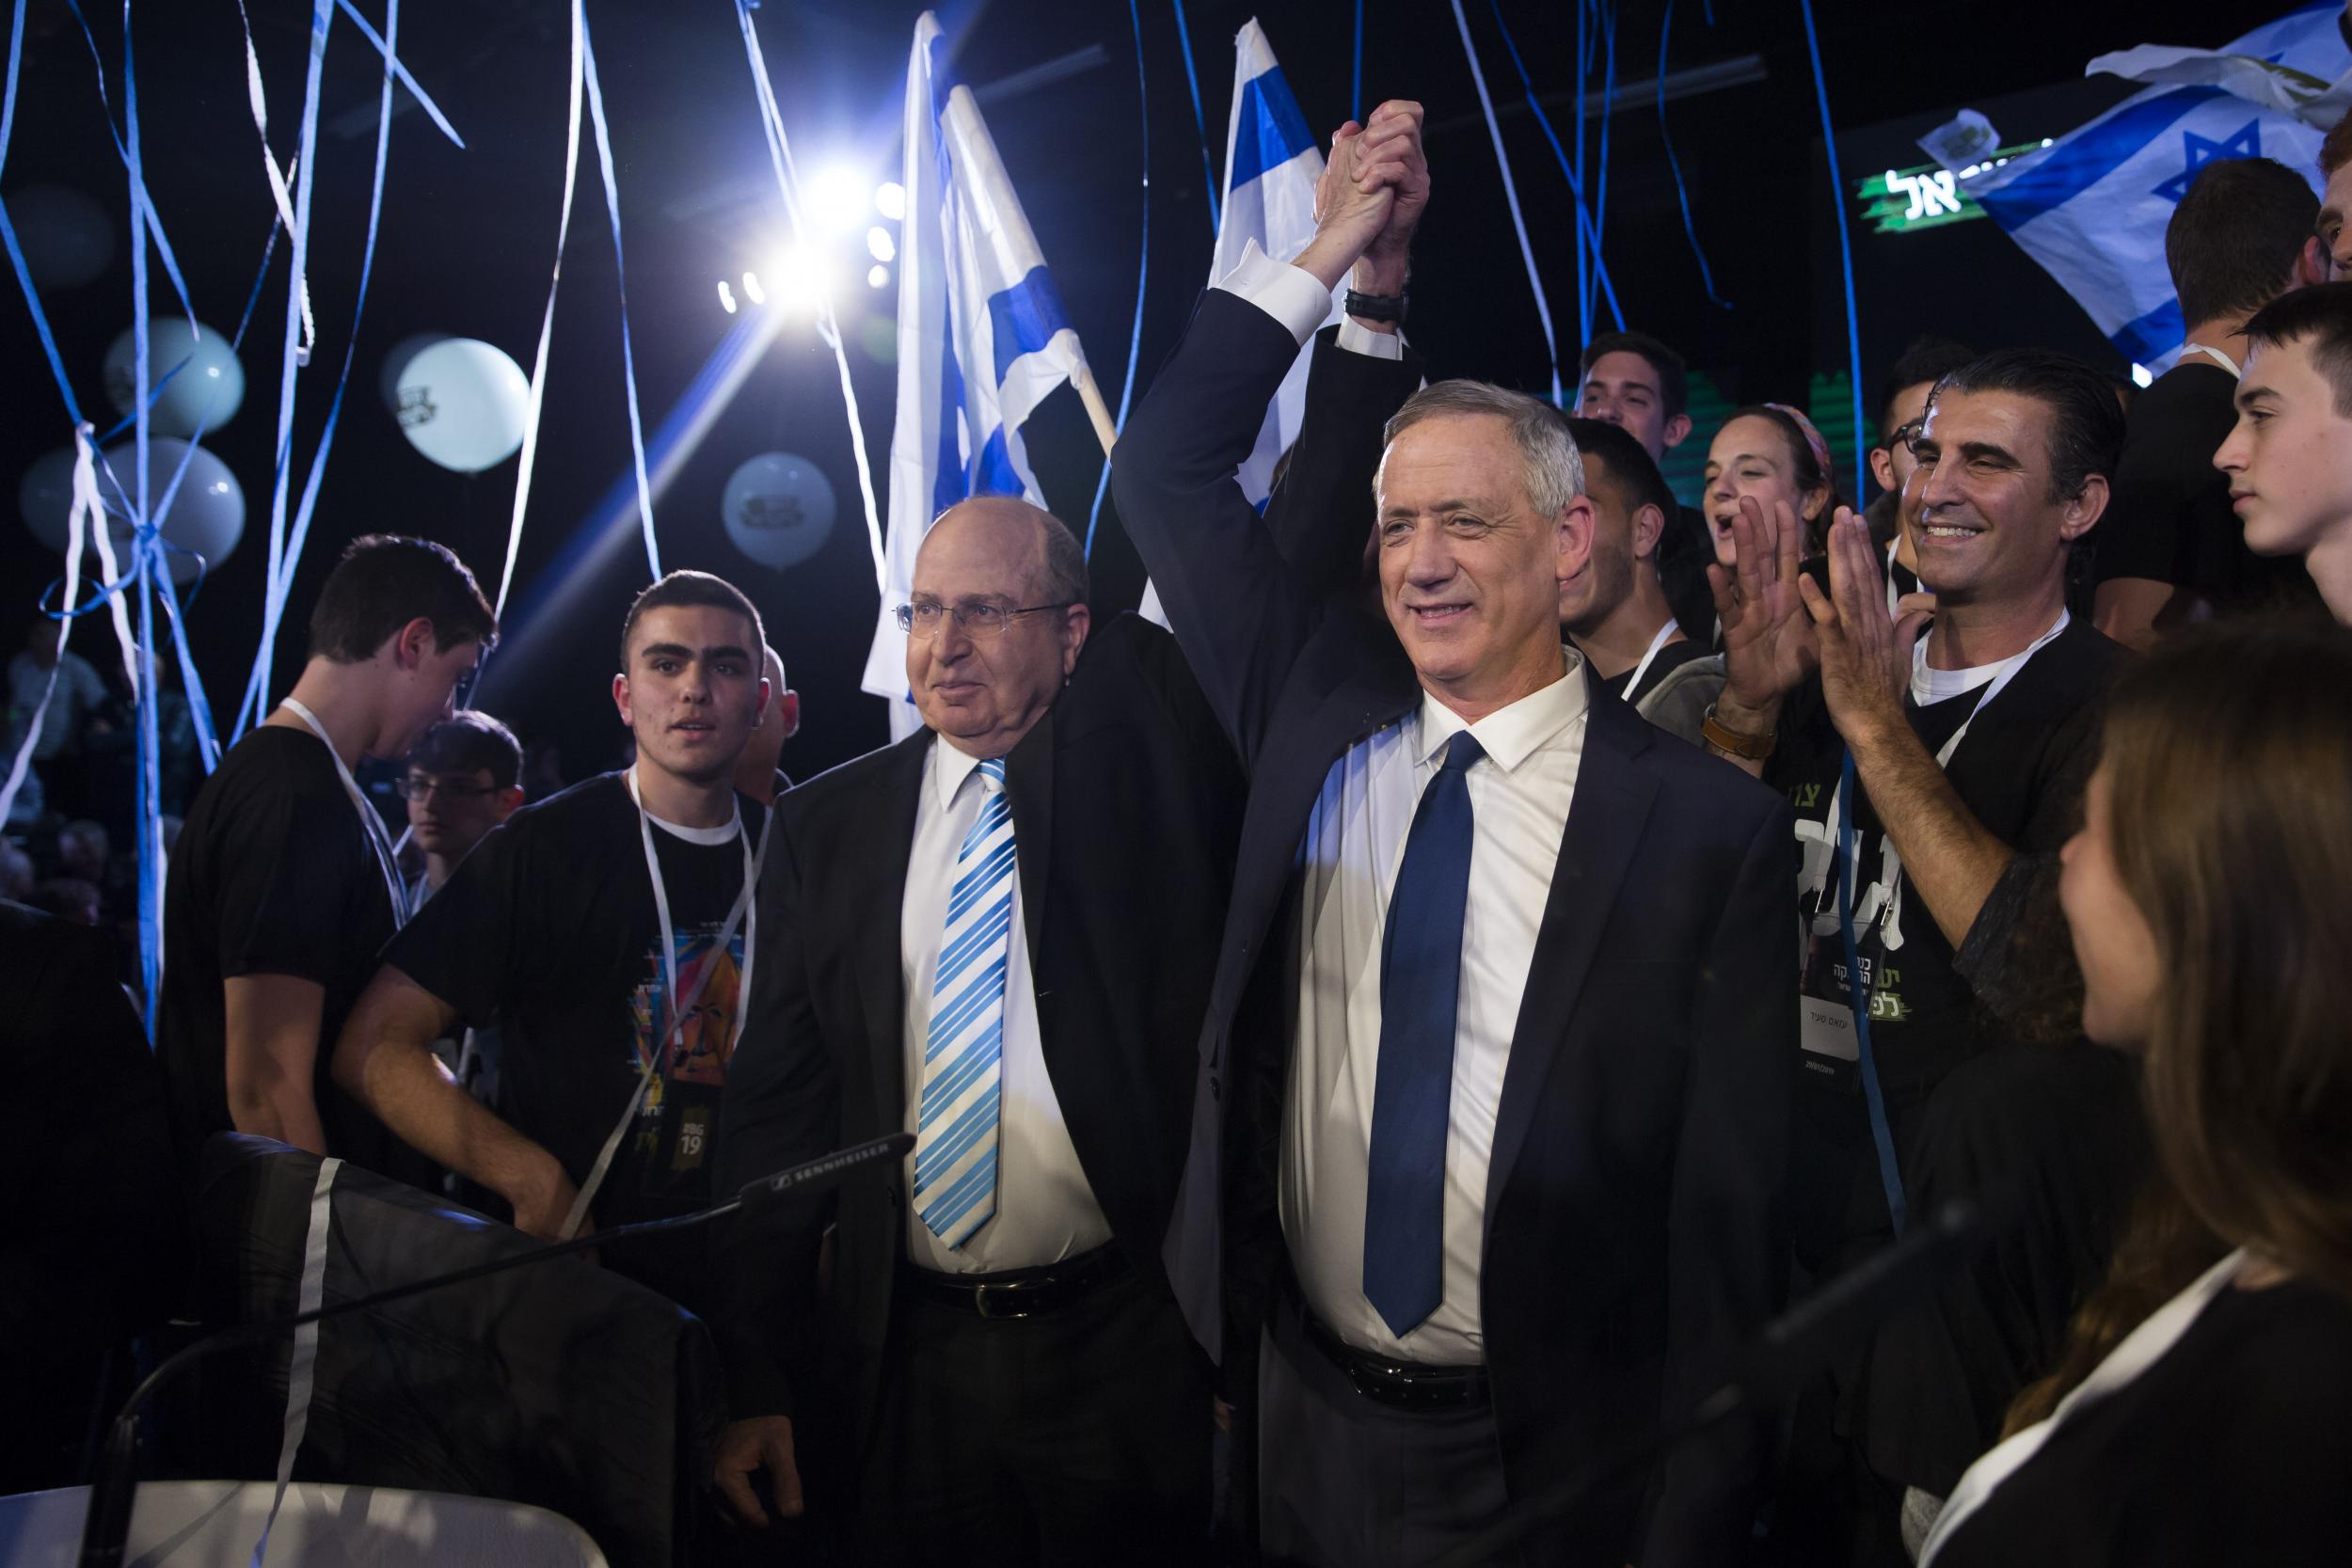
(999, 935)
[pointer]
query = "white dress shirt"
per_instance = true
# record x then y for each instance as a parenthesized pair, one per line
(1045, 1209)
(1520, 793)
(1302, 304)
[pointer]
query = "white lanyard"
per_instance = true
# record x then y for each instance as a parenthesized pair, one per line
(2006, 673)
(2141, 1349)
(2217, 357)
(379, 836)
(745, 913)
(1894, 595)
(1633, 682)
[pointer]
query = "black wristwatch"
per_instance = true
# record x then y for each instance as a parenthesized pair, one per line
(1377, 308)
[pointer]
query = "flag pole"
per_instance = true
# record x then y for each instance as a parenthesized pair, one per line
(1091, 395)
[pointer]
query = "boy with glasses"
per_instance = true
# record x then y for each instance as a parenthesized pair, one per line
(461, 783)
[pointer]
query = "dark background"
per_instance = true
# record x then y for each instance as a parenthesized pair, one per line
(467, 240)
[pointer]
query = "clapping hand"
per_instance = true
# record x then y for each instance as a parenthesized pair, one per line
(1864, 652)
(1768, 639)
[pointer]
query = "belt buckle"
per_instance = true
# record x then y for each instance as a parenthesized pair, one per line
(983, 1294)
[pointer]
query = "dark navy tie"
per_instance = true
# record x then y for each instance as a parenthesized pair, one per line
(1420, 980)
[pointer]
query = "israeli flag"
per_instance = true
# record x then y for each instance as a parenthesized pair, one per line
(2091, 208)
(1271, 166)
(982, 338)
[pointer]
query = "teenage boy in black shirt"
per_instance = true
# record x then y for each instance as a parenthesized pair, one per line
(1969, 743)
(1636, 382)
(607, 930)
(2288, 463)
(2241, 237)
(283, 886)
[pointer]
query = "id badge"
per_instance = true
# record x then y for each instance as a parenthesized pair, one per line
(1832, 1051)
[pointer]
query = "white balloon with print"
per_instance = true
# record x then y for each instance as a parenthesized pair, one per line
(206, 519)
(779, 509)
(205, 382)
(398, 358)
(462, 404)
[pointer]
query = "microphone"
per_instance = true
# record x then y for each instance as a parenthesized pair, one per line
(1777, 1360)
(106, 1528)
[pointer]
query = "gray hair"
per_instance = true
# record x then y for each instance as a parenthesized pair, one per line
(1066, 578)
(1548, 463)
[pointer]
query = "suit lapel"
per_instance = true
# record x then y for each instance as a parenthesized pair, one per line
(1029, 786)
(1605, 820)
(872, 917)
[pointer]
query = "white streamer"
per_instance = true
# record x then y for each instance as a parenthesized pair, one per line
(1511, 195)
(302, 1366)
(78, 519)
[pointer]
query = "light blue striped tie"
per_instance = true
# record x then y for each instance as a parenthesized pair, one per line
(955, 1140)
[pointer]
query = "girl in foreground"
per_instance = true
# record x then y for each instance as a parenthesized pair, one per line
(2203, 1414)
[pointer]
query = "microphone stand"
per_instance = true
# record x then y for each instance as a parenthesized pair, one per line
(106, 1528)
(1776, 1360)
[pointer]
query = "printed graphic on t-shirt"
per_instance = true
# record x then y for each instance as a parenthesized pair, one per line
(680, 1108)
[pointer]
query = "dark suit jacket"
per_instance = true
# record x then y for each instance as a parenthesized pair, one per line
(1126, 803)
(1634, 1215)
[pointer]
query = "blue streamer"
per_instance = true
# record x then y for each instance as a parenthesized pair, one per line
(400, 72)
(1845, 241)
(1143, 267)
(1858, 998)
(1683, 190)
(1576, 188)
(143, 215)
(1184, 40)
(254, 706)
(629, 354)
(1583, 251)
(1608, 112)
(1356, 80)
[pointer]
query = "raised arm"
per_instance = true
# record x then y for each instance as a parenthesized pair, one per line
(1240, 614)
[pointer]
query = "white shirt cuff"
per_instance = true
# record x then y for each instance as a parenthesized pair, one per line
(1294, 298)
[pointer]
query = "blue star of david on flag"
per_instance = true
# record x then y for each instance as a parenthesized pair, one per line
(2246, 143)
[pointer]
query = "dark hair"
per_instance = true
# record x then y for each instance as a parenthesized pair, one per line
(2226, 750)
(467, 740)
(1813, 473)
(385, 581)
(2234, 237)
(2321, 314)
(2336, 150)
(691, 589)
(1624, 463)
(1927, 360)
(2085, 434)
(1674, 381)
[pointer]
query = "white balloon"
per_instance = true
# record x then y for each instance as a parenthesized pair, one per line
(397, 360)
(778, 509)
(206, 519)
(68, 238)
(206, 389)
(462, 405)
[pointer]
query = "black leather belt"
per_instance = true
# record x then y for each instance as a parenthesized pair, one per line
(1020, 1292)
(1400, 1384)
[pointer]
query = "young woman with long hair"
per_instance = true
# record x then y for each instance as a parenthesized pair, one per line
(2203, 1411)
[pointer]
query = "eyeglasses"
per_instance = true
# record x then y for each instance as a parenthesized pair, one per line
(978, 620)
(1907, 436)
(419, 786)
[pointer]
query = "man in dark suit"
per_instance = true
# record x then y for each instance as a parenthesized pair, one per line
(998, 934)
(1489, 1133)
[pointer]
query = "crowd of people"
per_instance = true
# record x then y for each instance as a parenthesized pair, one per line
(1380, 1053)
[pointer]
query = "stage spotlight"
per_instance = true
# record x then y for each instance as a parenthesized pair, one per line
(890, 199)
(879, 242)
(751, 291)
(835, 199)
(800, 278)
(726, 296)
(877, 277)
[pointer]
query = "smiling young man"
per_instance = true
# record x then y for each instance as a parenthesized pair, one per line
(1638, 384)
(606, 931)
(2289, 460)
(283, 886)
(1968, 743)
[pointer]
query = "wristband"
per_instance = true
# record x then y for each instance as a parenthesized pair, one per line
(1375, 308)
(1747, 747)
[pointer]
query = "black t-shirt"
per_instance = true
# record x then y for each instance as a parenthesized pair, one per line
(274, 873)
(2169, 517)
(548, 929)
(1669, 657)
(2020, 772)
(2234, 1447)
